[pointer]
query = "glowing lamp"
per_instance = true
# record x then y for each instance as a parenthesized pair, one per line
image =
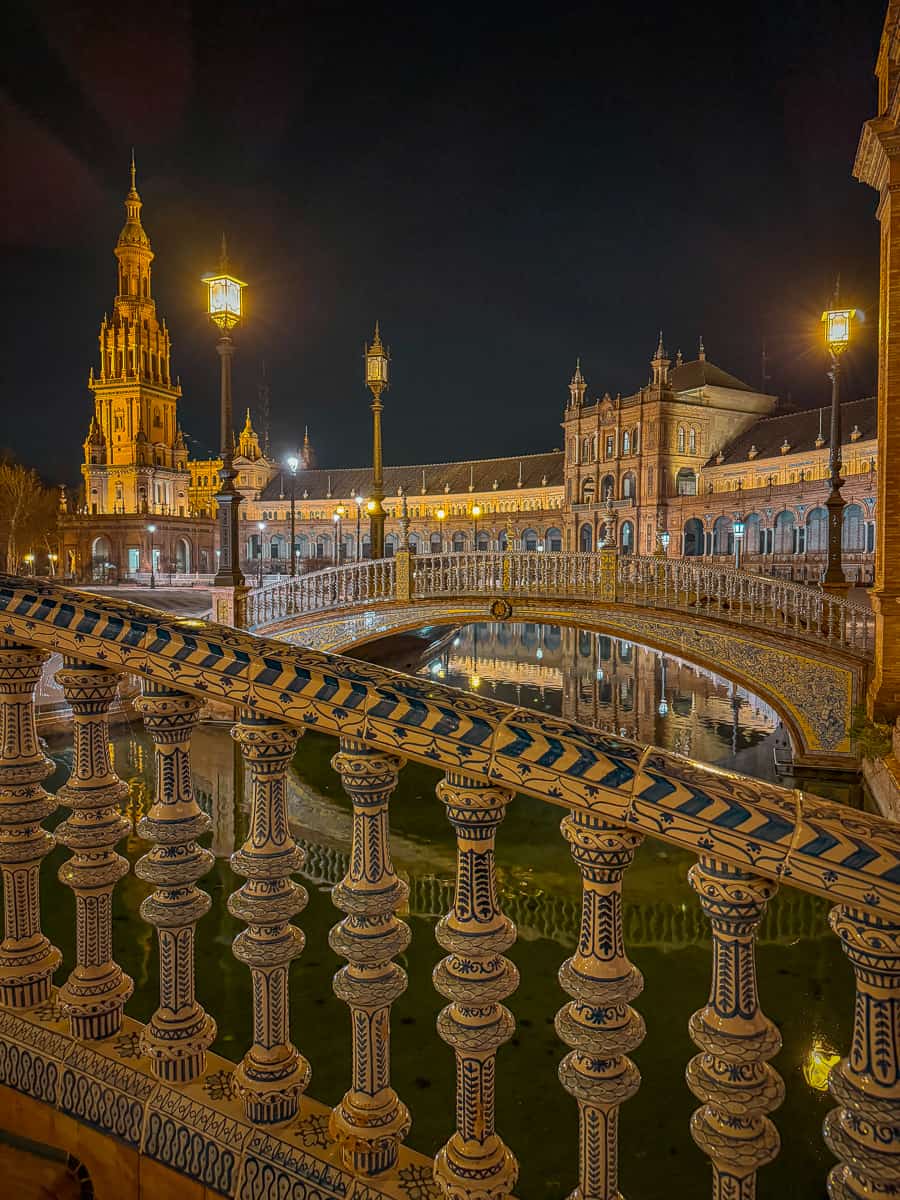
(818, 1064)
(665, 537)
(371, 506)
(293, 463)
(376, 363)
(223, 299)
(738, 528)
(151, 529)
(359, 501)
(837, 323)
(476, 510)
(340, 511)
(475, 681)
(440, 514)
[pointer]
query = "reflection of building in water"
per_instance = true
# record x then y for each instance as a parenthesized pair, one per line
(611, 684)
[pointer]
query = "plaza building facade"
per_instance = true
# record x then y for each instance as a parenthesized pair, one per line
(689, 454)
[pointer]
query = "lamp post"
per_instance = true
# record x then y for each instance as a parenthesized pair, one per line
(359, 504)
(738, 527)
(260, 525)
(53, 557)
(29, 562)
(338, 525)
(663, 537)
(838, 322)
(224, 308)
(476, 513)
(377, 360)
(151, 529)
(441, 516)
(293, 463)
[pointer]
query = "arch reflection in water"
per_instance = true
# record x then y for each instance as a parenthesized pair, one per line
(616, 686)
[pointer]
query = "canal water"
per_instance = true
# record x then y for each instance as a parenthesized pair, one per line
(805, 983)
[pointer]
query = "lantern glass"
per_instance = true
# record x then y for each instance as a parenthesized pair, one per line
(738, 528)
(224, 299)
(665, 538)
(376, 366)
(837, 326)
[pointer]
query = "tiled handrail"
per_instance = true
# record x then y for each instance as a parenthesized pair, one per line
(321, 591)
(749, 837)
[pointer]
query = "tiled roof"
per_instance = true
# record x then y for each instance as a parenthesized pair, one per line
(698, 373)
(537, 470)
(800, 430)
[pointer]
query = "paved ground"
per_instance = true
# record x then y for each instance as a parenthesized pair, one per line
(184, 602)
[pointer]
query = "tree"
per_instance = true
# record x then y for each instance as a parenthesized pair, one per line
(28, 514)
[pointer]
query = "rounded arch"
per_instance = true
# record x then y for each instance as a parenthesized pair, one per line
(723, 536)
(587, 490)
(629, 485)
(553, 540)
(101, 550)
(607, 487)
(627, 538)
(853, 530)
(182, 556)
(586, 538)
(817, 529)
(434, 543)
(693, 537)
(686, 482)
(529, 539)
(785, 532)
(458, 542)
(484, 540)
(753, 534)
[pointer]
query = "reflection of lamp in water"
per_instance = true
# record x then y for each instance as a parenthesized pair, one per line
(663, 702)
(818, 1064)
(475, 678)
(539, 653)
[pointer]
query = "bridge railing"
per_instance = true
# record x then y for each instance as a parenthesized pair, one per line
(749, 837)
(320, 591)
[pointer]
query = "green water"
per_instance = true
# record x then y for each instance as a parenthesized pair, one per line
(805, 983)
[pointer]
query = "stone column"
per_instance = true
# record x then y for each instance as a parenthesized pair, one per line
(95, 994)
(475, 976)
(27, 958)
(731, 1076)
(180, 1031)
(371, 1121)
(272, 1075)
(865, 1131)
(599, 1024)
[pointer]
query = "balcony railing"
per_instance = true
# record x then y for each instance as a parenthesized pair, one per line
(322, 591)
(749, 838)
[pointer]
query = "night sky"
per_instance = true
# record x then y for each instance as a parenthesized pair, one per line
(503, 186)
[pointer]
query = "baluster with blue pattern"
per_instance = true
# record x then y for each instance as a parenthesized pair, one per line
(731, 1075)
(865, 1131)
(475, 976)
(599, 1024)
(371, 1120)
(27, 957)
(180, 1031)
(272, 1075)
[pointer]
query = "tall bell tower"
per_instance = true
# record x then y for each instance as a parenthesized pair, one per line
(134, 454)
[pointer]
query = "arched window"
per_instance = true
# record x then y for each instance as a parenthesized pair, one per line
(607, 488)
(784, 533)
(553, 540)
(681, 439)
(692, 441)
(723, 536)
(693, 538)
(752, 535)
(686, 482)
(435, 543)
(635, 441)
(587, 490)
(484, 541)
(628, 486)
(586, 539)
(853, 531)
(627, 538)
(817, 530)
(529, 540)
(626, 442)
(586, 450)
(459, 542)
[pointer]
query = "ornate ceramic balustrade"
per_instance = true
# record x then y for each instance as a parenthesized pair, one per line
(262, 1134)
(681, 584)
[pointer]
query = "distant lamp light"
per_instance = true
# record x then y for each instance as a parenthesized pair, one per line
(29, 558)
(293, 463)
(340, 511)
(838, 322)
(151, 529)
(440, 514)
(818, 1064)
(663, 709)
(539, 654)
(476, 510)
(371, 506)
(223, 299)
(665, 537)
(475, 681)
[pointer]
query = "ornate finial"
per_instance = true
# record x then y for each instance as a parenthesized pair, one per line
(660, 349)
(376, 340)
(678, 359)
(702, 354)
(223, 255)
(305, 435)
(133, 172)
(248, 425)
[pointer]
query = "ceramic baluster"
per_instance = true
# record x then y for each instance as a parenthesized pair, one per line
(731, 1076)
(864, 1132)
(599, 1024)
(272, 1075)
(27, 958)
(371, 1121)
(475, 1163)
(180, 1031)
(95, 994)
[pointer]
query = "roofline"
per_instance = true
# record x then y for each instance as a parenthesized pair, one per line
(461, 462)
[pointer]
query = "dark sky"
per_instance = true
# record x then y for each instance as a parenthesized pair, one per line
(504, 186)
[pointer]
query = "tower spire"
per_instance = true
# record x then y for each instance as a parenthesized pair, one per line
(702, 352)
(660, 364)
(133, 174)
(577, 386)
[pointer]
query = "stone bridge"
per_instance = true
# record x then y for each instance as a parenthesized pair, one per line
(804, 652)
(149, 1109)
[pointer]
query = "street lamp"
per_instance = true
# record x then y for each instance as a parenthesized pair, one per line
(338, 524)
(359, 504)
(476, 513)
(441, 516)
(224, 309)
(838, 323)
(663, 537)
(370, 509)
(260, 525)
(29, 562)
(151, 529)
(377, 360)
(738, 529)
(53, 557)
(293, 463)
